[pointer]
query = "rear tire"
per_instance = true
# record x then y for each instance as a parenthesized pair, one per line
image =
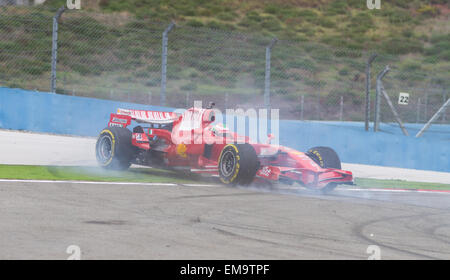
(325, 157)
(114, 149)
(238, 164)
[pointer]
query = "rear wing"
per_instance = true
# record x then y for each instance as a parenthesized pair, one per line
(123, 117)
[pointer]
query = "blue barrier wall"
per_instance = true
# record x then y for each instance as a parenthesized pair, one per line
(61, 114)
(354, 145)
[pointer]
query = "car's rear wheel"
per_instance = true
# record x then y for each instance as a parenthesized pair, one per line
(238, 164)
(325, 157)
(114, 149)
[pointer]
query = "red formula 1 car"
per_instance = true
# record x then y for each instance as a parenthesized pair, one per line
(192, 141)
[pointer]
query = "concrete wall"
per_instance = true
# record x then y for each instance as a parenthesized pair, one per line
(55, 113)
(354, 145)
(61, 114)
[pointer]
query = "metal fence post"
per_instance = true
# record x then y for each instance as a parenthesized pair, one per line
(164, 63)
(434, 118)
(394, 111)
(418, 111)
(302, 106)
(341, 111)
(226, 100)
(267, 74)
(55, 48)
(444, 97)
(378, 98)
(318, 106)
(368, 66)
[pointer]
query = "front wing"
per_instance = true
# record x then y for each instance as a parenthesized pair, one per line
(307, 177)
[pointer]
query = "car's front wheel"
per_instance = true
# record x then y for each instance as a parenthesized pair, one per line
(238, 164)
(325, 157)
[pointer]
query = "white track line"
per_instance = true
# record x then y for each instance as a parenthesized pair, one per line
(199, 185)
(211, 185)
(394, 190)
(343, 189)
(88, 182)
(107, 183)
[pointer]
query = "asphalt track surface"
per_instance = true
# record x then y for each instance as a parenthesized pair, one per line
(40, 220)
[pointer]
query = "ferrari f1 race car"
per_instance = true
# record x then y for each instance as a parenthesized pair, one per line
(192, 141)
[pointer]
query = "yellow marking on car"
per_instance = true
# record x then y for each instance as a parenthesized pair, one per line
(319, 156)
(181, 150)
(236, 172)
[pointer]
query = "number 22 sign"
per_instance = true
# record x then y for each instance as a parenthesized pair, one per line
(403, 98)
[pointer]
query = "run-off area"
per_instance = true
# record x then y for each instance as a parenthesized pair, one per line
(25, 148)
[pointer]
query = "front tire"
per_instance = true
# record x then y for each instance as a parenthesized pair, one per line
(238, 164)
(114, 149)
(325, 157)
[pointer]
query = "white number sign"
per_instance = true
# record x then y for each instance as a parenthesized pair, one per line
(403, 98)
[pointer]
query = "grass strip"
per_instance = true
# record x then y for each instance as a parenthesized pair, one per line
(97, 174)
(399, 184)
(153, 175)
